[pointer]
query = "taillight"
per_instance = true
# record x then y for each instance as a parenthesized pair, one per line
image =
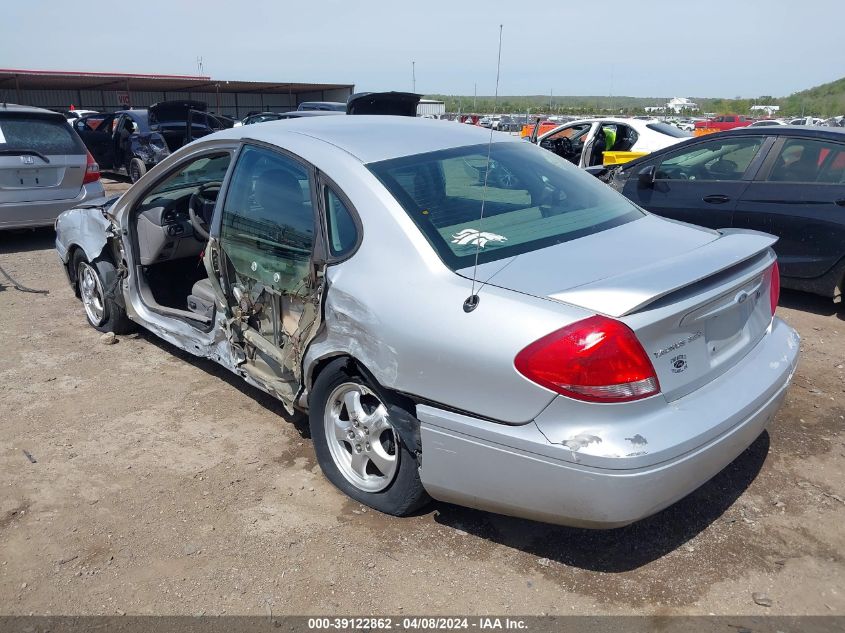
(92, 170)
(597, 360)
(774, 287)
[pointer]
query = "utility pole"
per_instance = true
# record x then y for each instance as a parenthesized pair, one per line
(474, 97)
(551, 93)
(413, 76)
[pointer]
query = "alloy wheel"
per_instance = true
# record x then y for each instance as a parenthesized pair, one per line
(363, 444)
(91, 291)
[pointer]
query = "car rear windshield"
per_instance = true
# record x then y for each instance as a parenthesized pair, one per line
(533, 199)
(668, 130)
(47, 135)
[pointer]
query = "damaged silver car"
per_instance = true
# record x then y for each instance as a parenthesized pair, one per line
(463, 318)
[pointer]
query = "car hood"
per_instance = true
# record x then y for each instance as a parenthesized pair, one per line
(394, 103)
(620, 270)
(166, 111)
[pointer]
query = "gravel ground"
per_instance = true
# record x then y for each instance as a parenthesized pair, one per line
(137, 479)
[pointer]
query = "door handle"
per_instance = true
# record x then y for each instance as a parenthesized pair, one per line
(840, 202)
(716, 199)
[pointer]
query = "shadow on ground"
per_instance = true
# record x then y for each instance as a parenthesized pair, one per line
(25, 240)
(815, 304)
(621, 549)
(273, 405)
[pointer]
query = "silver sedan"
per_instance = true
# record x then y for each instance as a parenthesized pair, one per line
(467, 319)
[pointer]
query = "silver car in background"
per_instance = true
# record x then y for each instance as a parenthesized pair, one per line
(605, 363)
(44, 167)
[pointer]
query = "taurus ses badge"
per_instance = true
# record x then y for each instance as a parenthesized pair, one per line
(28, 160)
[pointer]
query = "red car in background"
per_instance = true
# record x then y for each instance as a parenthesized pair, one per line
(724, 122)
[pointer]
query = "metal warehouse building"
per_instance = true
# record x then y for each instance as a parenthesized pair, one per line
(107, 92)
(431, 107)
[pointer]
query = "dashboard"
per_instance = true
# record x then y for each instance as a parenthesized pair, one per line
(165, 232)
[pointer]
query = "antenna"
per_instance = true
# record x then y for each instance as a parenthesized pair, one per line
(472, 300)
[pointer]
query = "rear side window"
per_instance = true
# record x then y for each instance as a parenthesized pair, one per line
(343, 235)
(534, 199)
(809, 161)
(48, 136)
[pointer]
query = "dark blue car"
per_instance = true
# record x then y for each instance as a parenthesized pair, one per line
(788, 181)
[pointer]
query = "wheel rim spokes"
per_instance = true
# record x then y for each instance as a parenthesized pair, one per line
(362, 442)
(91, 293)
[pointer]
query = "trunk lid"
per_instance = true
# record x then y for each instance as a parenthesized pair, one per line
(36, 181)
(698, 300)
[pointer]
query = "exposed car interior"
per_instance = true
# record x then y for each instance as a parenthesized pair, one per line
(569, 142)
(171, 229)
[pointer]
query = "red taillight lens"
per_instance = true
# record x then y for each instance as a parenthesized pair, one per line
(774, 287)
(92, 170)
(597, 360)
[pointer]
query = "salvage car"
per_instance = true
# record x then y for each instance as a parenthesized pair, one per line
(606, 363)
(583, 142)
(44, 167)
(784, 180)
(133, 141)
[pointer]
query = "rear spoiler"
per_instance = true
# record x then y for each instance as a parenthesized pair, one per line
(632, 291)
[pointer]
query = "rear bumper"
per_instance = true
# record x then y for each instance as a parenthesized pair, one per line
(516, 471)
(19, 215)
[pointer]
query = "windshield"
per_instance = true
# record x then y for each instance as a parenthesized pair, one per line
(534, 199)
(668, 130)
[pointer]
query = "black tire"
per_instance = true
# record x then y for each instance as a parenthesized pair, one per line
(137, 169)
(405, 493)
(113, 317)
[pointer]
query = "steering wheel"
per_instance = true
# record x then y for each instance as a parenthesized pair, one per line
(563, 146)
(203, 198)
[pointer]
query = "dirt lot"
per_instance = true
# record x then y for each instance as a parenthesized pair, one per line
(161, 484)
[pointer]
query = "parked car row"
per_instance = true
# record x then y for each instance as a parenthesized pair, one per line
(132, 141)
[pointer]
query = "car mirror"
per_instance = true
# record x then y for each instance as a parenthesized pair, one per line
(645, 177)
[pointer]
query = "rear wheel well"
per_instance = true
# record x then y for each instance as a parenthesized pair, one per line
(359, 367)
(71, 269)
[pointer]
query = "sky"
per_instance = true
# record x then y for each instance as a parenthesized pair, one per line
(617, 47)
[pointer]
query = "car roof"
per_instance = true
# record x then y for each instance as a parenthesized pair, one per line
(811, 131)
(371, 138)
(24, 109)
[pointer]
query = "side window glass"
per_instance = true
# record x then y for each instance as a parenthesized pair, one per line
(809, 161)
(343, 234)
(725, 159)
(206, 172)
(573, 132)
(267, 227)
